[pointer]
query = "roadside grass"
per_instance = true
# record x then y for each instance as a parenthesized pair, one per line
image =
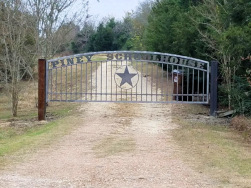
(16, 141)
(27, 107)
(212, 147)
(24, 133)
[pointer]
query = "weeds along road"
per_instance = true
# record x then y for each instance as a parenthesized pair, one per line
(113, 145)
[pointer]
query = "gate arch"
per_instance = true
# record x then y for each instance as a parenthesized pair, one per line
(126, 76)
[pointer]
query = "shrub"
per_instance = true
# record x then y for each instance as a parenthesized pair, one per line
(241, 96)
(243, 124)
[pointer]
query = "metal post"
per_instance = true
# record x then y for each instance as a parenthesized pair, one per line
(41, 89)
(214, 89)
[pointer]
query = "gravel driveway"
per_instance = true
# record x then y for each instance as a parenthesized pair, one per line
(115, 145)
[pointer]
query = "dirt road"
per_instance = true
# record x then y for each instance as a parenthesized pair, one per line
(113, 145)
(116, 145)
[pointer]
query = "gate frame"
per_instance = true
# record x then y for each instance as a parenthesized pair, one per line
(42, 88)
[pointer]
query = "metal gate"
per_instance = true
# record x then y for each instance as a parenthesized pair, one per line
(127, 76)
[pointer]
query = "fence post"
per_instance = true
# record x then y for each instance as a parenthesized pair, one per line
(214, 89)
(41, 89)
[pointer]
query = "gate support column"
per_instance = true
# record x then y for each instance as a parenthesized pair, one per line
(214, 89)
(41, 89)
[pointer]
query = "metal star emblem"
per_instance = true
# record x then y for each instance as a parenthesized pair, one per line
(126, 77)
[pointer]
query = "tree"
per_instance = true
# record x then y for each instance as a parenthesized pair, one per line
(122, 32)
(17, 44)
(139, 22)
(31, 29)
(64, 35)
(111, 35)
(225, 28)
(102, 39)
(79, 43)
(206, 29)
(170, 30)
(50, 16)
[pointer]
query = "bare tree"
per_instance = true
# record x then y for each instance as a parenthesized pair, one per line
(140, 22)
(30, 29)
(16, 52)
(51, 15)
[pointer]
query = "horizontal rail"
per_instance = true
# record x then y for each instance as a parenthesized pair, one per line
(93, 93)
(162, 102)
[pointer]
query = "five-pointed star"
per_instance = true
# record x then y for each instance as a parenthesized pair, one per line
(126, 77)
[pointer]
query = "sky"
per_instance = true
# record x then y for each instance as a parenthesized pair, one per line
(111, 8)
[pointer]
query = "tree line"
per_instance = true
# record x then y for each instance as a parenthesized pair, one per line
(206, 29)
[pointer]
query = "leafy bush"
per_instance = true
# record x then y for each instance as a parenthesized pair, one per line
(241, 96)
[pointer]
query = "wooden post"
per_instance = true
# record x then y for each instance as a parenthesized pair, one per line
(214, 89)
(41, 89)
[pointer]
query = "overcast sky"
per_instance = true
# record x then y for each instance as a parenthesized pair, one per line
(114, 8)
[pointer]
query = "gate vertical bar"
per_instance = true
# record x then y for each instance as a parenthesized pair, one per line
(41, 89)
(214, 88)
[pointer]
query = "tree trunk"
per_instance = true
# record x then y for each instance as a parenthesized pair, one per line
(14, 94)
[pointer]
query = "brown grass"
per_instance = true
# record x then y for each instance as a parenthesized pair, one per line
(242, 124)
(26, 104)
(211, 147)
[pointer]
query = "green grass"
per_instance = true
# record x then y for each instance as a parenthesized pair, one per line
(22, 115)
(5, 114)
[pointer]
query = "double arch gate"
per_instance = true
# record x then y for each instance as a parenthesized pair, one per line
(123, 76)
